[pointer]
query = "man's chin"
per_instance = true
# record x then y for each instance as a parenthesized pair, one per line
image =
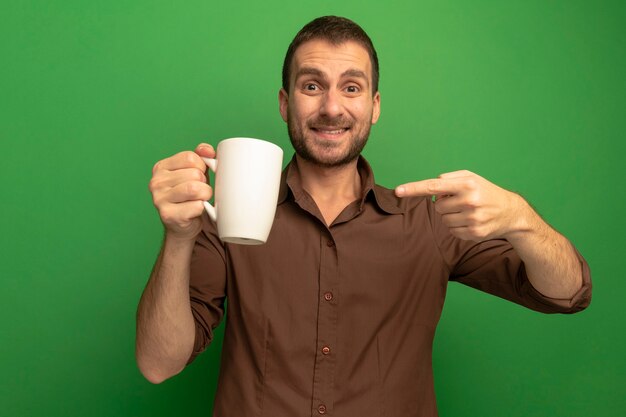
(327, 160)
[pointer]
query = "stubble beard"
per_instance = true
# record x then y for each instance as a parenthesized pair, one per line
(324, 156)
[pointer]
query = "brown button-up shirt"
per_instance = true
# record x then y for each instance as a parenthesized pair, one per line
(340, 320)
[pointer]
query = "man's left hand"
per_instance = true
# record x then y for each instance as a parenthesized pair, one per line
(472, 207)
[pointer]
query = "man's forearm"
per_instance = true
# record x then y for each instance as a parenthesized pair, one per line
(476, 209)
(550, 260)
(165, 325)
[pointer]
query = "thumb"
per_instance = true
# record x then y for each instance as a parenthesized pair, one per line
(205, 150)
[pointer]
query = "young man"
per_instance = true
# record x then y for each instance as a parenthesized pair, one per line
(336, 313)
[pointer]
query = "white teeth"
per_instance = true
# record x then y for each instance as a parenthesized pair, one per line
(332, 132)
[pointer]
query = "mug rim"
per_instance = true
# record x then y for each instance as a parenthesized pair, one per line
(260, 141)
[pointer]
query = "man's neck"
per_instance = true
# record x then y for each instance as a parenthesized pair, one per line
(333, 188)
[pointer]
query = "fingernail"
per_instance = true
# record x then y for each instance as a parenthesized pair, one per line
(400, 191)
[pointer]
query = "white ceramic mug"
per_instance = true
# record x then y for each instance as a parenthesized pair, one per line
(247, 179)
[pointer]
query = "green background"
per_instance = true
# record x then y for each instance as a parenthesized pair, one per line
(529, 94)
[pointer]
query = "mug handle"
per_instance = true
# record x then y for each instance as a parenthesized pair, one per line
(212, 164)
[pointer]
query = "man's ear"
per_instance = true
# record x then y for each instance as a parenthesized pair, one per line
(283, 103)
(376, 108)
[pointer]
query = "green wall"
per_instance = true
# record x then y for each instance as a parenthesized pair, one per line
(529, 94)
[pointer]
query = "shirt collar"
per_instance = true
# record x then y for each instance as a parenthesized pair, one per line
(384, 198)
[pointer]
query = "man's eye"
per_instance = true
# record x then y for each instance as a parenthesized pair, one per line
(352, 89)
(310, 87)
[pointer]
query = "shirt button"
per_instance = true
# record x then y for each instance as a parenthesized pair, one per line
(325, 350)
(328, 296)
(321, 409)
(330, 243)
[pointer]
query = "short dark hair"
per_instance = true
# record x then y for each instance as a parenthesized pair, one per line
(336, 30)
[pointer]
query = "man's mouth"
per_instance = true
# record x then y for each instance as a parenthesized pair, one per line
(331, 131)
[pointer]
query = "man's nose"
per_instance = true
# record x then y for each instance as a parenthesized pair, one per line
(332, 105)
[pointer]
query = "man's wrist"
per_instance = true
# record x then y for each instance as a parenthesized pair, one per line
(178, 243)
(524, 220)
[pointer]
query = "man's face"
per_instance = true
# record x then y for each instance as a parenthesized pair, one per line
(331, 108)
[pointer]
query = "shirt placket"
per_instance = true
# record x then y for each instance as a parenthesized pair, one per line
(325, 357)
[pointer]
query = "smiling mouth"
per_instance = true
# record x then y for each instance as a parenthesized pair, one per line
(330, 130)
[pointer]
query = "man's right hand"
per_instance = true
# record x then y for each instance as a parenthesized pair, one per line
(179, 187)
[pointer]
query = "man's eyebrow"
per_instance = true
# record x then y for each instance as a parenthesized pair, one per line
(309, 71)
(355, 73)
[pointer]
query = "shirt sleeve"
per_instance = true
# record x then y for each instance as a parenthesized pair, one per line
(207, 285)
(493, 266)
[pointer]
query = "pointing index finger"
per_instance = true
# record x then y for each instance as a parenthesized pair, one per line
(433, 186)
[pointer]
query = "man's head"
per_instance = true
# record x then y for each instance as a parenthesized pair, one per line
(330, 98)
(334, 30)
